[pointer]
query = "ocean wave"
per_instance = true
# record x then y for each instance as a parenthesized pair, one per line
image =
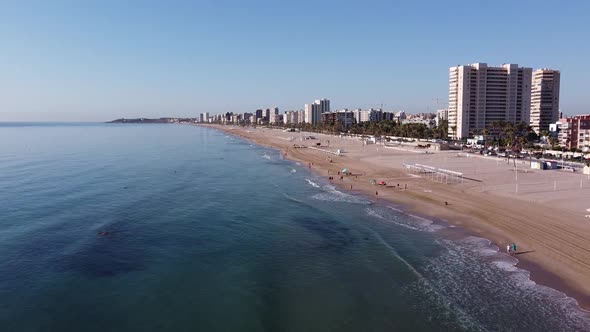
(331, 194)
(477, 276)
(432, 301)
(415, 222)
(312, 183)
(293, 170)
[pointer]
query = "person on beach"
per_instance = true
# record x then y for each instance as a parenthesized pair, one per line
(376, 194)
(406, 186)
(509, 249)
(351, 187)
(514, 248)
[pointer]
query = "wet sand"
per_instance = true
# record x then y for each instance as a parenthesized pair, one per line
(553, 237)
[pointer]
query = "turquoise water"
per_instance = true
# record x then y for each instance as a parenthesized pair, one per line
(182, 228)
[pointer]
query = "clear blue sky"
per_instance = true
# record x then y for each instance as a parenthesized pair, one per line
(96, 61)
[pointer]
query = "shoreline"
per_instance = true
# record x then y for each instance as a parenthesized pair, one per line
(412, 201)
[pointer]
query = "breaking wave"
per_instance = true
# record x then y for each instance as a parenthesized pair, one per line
(330, 193)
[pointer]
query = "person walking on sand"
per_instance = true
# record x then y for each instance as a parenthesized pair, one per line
(514, 248)
(509, 249)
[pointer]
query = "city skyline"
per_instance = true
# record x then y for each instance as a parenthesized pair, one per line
(103, 61)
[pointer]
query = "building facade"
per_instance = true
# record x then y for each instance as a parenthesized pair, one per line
(574, 132)
(344, 117)
(441, 115)
(313, 112)
(480, 95)
(544, 99)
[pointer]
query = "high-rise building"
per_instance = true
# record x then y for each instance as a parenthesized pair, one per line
(480, 95)
(324, 105)
(292, 117)
(313, 112)
(201, 117)
(544, 99)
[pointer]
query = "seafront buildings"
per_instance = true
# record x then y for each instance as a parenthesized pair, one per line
(573, 132)
(344, 117)
(313, 112)
(480, 94)
(544, 99)
(293, 117)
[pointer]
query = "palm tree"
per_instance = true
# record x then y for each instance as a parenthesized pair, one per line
(454, 130)
(544, 134)
(485, 132)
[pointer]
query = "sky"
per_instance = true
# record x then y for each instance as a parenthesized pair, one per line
(102, 60)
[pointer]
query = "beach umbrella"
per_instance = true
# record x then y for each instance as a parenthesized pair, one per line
(345, 170)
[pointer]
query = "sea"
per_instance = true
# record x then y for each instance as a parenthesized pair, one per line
(162, 227)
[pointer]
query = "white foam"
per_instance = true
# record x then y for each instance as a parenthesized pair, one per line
(493, 268)
(333, 195)
(425, 224)
(414, 222)
(312, 183)
(293, 170)
(265, 156)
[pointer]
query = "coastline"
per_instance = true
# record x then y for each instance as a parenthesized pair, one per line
(472, 215)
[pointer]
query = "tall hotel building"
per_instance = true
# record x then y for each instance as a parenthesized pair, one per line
(479, 95)
(313, 112)
(544, 99)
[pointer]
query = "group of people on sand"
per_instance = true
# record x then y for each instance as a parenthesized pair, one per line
(511, 249)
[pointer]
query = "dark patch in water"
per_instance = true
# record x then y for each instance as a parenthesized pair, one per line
(335, 237)
(106, 257)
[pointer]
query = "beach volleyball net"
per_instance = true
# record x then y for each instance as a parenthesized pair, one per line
(435, 174)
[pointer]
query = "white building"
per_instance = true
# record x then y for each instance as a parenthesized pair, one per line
(441, 115)
(544, 99)
(480, 95)
(292, 117)
(313, 112)
(370, 115)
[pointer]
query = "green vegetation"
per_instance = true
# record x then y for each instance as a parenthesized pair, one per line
(385, 127)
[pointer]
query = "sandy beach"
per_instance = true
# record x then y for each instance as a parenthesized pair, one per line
(544, 212)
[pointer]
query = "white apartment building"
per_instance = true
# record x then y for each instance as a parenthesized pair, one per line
(299, 116)
(480, 95)
(292, 117)
(544, 99)
(441, 115)
(370, 115)
(313, 112)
